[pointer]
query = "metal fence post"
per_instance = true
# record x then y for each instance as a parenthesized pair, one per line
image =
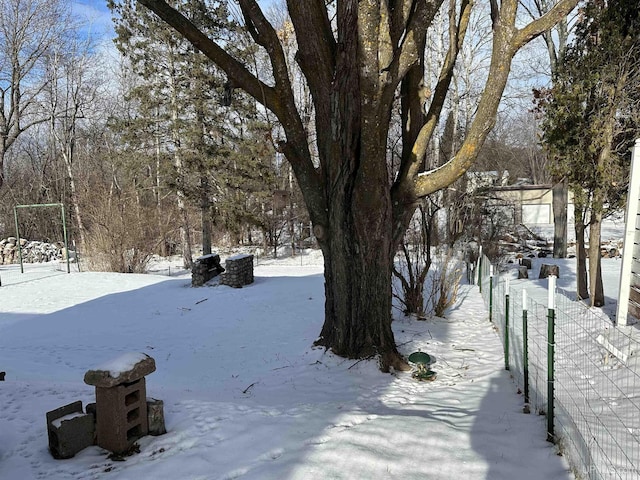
(506, 324)
(15, 215)
(551, 344)
(491, 293)
(480, 269)
(66, 241)
(525, 346)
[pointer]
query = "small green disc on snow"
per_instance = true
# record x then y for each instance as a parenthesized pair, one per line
(424, 374)
(420, 358)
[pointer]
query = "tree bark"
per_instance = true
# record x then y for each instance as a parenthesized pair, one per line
(75, 202)
(358, 297)
(581, 254)
(185, 227)
(560, 202)
(595, 259)
(358, 248)
(205, 208)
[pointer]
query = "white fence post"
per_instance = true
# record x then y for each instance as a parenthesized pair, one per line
(630, 272)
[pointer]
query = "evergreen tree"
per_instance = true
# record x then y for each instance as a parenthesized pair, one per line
(592, 119)
(184, 105)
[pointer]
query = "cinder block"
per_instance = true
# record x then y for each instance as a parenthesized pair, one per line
(70, 430)
(121, 415)
(155, 416)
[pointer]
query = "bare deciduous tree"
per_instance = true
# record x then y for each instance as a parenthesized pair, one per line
(70, 94)
(29, 30)
(356, 55)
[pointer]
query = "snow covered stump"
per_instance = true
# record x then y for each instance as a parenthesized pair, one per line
(522, 272)
(547, 270)
(121, 400)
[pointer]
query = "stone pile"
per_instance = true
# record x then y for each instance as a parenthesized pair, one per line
(32, 251)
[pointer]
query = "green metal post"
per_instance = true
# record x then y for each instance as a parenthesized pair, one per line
(480, 271)
(525, 346)
(15, 215)
(506, 326)
(551, 345)
(64, 231)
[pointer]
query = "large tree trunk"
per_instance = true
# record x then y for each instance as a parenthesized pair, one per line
(358, 249)
(560, 202)
(358, 259)
(595, 271)
(358, 299)
(581, 254)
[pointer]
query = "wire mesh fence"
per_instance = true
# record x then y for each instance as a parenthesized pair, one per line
(589, 366)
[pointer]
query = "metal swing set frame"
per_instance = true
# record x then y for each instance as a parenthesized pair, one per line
(64, 229)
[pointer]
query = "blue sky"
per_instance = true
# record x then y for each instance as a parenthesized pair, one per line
(98, 17)
(95, 14)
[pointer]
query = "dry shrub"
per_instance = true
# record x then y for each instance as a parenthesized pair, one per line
(414, 262)
(123, 234)
(445, 282)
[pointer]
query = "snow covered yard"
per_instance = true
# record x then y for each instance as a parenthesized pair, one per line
(246, 395)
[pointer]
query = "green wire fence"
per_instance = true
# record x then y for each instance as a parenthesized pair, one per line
(575, 366)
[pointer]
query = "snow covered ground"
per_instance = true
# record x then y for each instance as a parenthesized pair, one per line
(246, 394)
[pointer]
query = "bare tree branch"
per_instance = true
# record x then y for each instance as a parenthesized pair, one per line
(544, 23)
(411, 163)
(507, 41)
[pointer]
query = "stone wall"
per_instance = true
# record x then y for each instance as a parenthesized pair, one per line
(32, 251)
(238, 271)
(204, 269)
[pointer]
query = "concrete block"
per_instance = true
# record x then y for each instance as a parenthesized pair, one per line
(121, 415)
(70, 430)
(155, 416)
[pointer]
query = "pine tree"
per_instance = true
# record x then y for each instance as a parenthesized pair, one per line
(183, 104)
(592, 119)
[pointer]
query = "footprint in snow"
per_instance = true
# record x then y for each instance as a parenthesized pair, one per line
(272, 455)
